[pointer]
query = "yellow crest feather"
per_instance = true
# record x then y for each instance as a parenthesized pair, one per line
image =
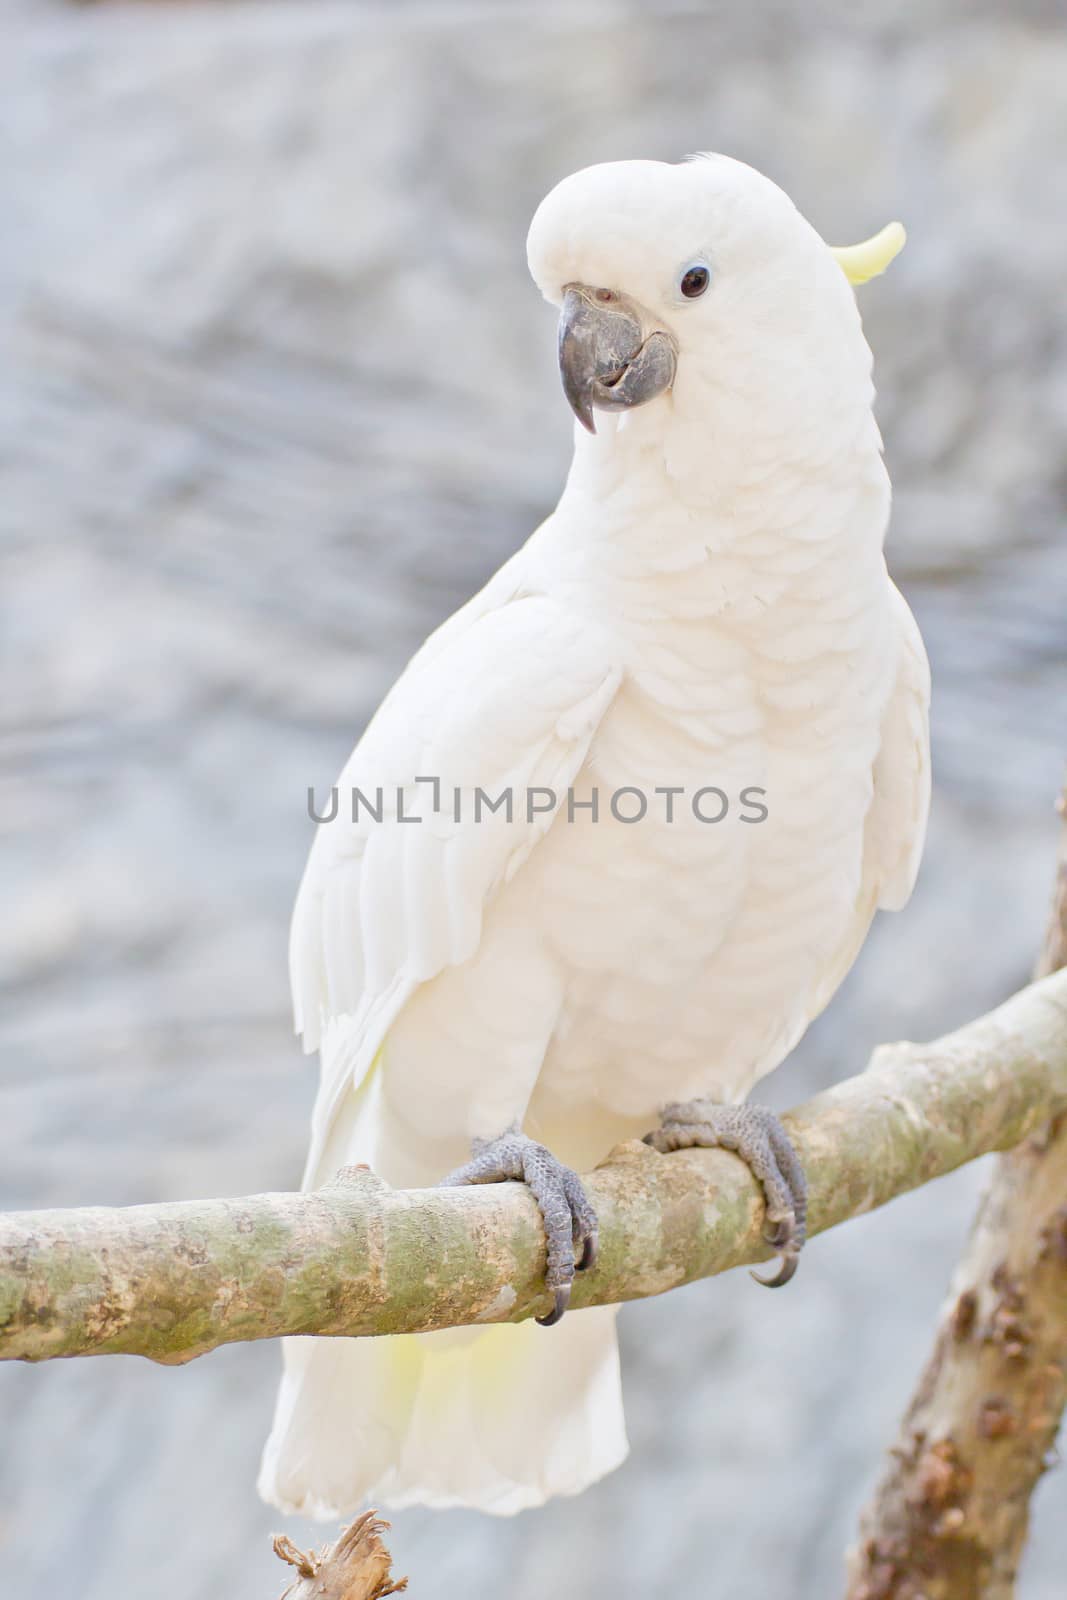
(861, 262)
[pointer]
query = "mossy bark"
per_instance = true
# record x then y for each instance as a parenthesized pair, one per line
(356, 1257)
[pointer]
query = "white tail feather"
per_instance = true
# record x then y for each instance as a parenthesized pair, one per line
(496, 1418)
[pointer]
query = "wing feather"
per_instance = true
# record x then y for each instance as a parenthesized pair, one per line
(896, 824)
(511, 701)
(895, 829)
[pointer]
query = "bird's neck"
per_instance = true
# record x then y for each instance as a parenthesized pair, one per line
(662, 490)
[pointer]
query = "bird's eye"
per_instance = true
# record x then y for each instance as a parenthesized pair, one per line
(694, 282)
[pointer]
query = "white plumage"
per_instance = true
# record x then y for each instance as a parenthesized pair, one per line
(708, 605)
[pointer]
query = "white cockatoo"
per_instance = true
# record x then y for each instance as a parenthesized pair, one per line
(701, 657)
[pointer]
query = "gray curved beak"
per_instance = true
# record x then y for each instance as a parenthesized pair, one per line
(611, 356)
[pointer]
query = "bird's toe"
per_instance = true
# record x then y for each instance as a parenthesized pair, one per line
(570, 1223)
(758, 1137)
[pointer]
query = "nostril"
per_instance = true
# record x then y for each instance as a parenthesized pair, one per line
(605, 296)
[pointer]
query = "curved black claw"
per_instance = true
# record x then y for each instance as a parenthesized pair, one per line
(786, 1271)
(563, 1300)
(757, 1136)
(782, 1236)
(570, 1221)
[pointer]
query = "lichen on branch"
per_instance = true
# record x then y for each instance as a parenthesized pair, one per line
(172, 1281)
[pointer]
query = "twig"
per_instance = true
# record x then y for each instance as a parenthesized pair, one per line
(356, 1257)
(356, 1567)
(949, 1518)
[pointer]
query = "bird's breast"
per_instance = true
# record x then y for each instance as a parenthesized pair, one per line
(708, 864)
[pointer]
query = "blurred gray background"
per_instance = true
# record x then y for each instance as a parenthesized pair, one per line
(277, 394)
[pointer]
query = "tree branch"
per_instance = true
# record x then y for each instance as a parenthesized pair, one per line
(356, 1257)
(949, 1519)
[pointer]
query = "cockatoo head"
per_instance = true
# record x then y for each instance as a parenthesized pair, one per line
(677, 283)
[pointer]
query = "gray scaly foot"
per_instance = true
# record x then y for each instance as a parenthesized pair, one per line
(570, 1221)
(758, 1137)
